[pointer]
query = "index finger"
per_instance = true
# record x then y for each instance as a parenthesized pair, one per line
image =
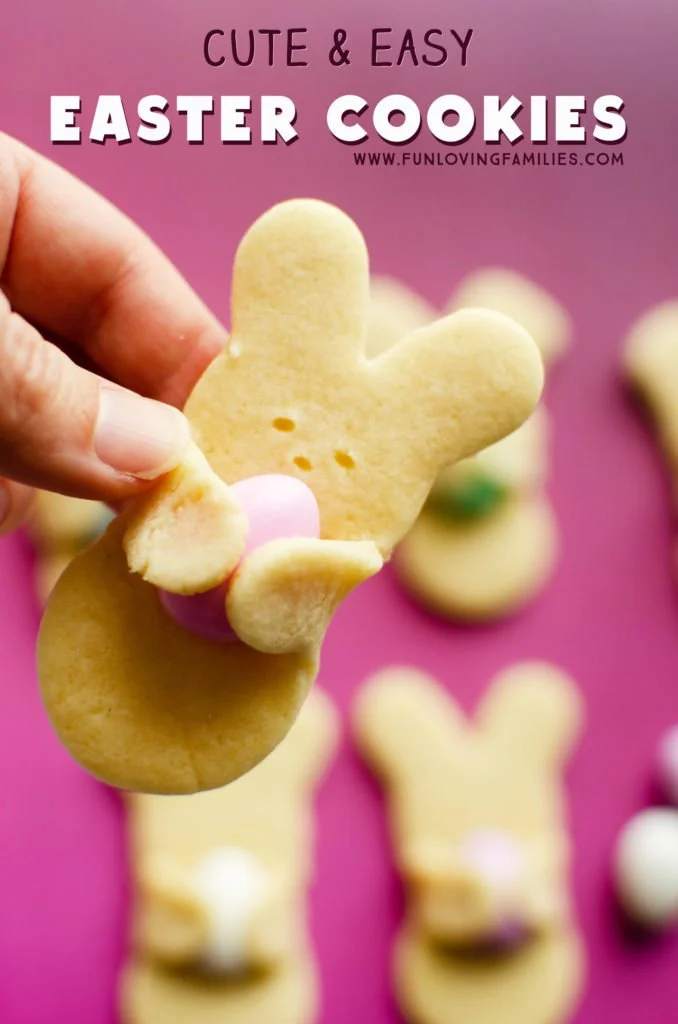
(74, 265)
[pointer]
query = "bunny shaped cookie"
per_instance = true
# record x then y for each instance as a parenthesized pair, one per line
(219, 930)
(651, 366)
(486, 540)
(478, 827)
(148, 705)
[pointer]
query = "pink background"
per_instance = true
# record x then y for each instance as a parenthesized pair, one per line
(602, 239)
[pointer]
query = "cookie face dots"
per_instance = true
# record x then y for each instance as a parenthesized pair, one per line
(149, 705)
(351, 429)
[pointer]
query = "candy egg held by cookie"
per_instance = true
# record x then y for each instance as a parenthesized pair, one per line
(153, 704)
(487, 539)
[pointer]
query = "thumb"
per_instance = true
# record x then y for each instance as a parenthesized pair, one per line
(63, 428)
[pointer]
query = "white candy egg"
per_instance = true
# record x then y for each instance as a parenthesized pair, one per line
(667, 764)
(646, 867)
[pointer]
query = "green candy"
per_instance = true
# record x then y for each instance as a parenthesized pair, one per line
(472, 498)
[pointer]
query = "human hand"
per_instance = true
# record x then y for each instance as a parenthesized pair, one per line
(92, 318)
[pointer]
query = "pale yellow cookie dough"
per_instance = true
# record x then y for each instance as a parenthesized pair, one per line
(146, 705)
(59, 527)
(524, 301)
(481, 568)
(446, 780)
(142, 702)
(539, 984)
(651, 367)
(394, 312)
(480, 571)
(172, 974)
(47, 570)
(151, 996)
(60, 523)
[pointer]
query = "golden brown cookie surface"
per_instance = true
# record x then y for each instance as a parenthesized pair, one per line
(182, 706)
(148, 708)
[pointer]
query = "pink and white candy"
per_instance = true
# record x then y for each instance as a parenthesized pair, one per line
(276, 506)
(499, 861)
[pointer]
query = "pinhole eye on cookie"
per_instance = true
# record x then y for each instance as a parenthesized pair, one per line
(153, 704)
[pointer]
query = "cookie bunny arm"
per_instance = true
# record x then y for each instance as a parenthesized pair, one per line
(285, 593)
(536, 709)
(187, 535)
(466, 381)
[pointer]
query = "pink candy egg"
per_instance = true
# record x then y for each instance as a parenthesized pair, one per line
(276, 506)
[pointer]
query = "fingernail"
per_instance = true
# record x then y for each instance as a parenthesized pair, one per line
(138, 436)
(5, 503)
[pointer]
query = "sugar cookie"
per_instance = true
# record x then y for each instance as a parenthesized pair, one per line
(486, 541)
(524, 301)
(219, 928)
(148, 705)
(59, 528)
(650, 365)
(394, 312)
(478, 827)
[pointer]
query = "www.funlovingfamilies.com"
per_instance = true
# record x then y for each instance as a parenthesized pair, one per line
(478, 158)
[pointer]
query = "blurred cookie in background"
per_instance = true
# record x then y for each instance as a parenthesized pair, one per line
(394, 312)
(59, 528)
(480, 837)
(486, 541)
(219, 931)
(527, 303)
(650, 364)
